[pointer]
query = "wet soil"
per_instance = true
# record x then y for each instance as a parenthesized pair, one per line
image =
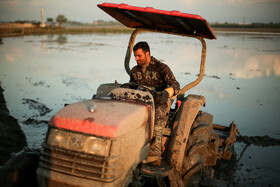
(17, 163)
(36, 106)
(38, 109)
(234, 172)
(263, 141)
(12, 138)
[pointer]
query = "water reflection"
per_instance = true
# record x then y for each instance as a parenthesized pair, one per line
(13, 54)
(247, 63)
(61, 39)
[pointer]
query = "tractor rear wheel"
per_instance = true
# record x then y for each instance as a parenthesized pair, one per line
(196, 149)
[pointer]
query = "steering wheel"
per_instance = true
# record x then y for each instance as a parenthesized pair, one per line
(131, 85)
(141, 87)
(145, 88)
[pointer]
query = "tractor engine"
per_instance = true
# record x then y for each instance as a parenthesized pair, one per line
(97, 142)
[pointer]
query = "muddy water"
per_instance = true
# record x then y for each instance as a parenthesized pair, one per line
(242, 83)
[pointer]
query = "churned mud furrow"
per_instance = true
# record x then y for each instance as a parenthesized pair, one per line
(12, 138)
(263, 141)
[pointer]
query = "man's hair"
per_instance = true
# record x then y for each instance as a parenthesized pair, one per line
(142, 45)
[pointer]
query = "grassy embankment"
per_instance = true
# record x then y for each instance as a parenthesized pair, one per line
(7, 32)
(261, 30)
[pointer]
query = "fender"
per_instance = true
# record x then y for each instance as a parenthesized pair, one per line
(181, 129)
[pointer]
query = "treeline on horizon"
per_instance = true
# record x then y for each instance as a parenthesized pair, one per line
(115, 23)
(251, 25)
(217, 24)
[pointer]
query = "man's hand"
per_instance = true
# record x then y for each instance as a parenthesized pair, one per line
(170, 91)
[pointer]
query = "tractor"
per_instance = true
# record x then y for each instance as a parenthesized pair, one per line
(105, 140)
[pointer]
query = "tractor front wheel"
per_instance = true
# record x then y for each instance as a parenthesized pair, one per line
(196, 149)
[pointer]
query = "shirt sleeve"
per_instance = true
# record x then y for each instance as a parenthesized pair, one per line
(132, 80)
(170, 78)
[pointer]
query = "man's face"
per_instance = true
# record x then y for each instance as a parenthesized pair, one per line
(141, 57)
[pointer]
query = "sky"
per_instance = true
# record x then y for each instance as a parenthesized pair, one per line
(231, 11)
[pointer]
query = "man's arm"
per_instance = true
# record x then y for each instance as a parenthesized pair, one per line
(132, 80)
(171, 81)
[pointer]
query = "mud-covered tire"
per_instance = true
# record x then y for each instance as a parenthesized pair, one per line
(196, 149)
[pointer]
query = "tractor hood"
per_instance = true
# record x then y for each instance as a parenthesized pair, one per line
(107, 118)
(159, 20)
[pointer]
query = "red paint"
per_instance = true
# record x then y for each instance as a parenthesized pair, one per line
(149, 10)
(179, 103)
(111, 118)
(159, 20)
(83, 126)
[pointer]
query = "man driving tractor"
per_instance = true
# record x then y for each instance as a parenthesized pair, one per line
(151, 72)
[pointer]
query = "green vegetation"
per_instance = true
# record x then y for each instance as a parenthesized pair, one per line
(71, 30)
(28, 21)
(252, 25)
(60, 19)
(98, 23)
(49, 19)
(103, 27)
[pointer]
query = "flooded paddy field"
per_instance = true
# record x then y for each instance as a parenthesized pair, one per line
(242, 83)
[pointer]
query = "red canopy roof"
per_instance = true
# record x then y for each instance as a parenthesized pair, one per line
(159, 20)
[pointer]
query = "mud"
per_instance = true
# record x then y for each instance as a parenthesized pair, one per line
(17, 163)
(39, 83)
(37, 106)
(223, 174)
(236, 172)
(213, 76)
(205, 75)
(263, 141)
(20, 169)
(32, 121)
(12, 138)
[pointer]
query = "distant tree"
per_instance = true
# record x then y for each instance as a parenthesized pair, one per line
(49, 19)
(60, 19)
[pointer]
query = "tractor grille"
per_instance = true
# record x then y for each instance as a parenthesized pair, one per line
(80, 164)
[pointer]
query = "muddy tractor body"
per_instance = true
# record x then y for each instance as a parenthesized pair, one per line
(104, 141)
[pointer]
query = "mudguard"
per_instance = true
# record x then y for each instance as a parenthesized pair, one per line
(181, 129)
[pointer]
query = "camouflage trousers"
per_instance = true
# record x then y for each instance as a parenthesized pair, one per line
(161, 117)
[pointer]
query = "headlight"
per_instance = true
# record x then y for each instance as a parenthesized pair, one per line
(57, 138)
(78, 142)
(97, 146)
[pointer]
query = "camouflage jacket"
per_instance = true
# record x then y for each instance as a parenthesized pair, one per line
(157, 75)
